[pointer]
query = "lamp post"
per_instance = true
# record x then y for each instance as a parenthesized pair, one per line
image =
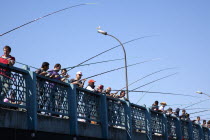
(125, 59)
(199, 92)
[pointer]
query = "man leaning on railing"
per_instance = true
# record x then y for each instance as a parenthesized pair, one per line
(5, 74)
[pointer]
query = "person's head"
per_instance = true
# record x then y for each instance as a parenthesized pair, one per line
(204, 121)
(91, 82)
(45, 66)
(122, 93)
(64, 71)
(198, 118)
(57, 67)
(108, 90)
(100, 88)
(208, 122)
(7, 50)
(170, 109)
(177, 109)
(183, 111)
(78, 75)
(156, 103)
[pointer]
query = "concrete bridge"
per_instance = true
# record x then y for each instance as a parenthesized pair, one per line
(36, 107)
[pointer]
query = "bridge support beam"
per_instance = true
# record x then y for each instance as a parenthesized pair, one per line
(31, 100)
(104, 117)
(72, 105)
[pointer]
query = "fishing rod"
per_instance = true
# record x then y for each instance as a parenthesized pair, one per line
(44, 17)
(108, 50)
(148, 76)
(96, 63)
(121, 68)
(196, 103)
(157, 92)
(143, 95)
(200, 111)
(154, 81)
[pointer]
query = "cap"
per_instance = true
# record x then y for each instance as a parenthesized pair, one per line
(79, 72)
(91, 81)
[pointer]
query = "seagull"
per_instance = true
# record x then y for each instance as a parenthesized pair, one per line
(98, 28)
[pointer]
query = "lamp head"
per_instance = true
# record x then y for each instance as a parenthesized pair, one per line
(102, 32)
(199, 92)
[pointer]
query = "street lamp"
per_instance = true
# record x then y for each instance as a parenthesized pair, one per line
(125, 59)
(199, 92)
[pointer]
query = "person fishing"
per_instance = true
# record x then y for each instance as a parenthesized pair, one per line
(78, 81)
(5, 74)
(91, 85)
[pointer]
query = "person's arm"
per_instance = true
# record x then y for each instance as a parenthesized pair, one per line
(82, 84)
(11, 61)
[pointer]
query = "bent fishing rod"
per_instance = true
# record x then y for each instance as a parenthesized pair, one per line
(148, 76)
(154, 81)
(44, 17)
(99, 62)
(120, 68)
(96, 63)
(70, 68)
(196, 103)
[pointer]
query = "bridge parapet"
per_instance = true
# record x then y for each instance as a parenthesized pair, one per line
(83, 112)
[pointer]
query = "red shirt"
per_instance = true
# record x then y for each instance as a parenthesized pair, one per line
(4, 60)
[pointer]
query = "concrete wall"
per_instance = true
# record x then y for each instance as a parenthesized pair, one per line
(47, 125)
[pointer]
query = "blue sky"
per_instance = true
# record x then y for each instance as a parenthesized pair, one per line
(70, 37)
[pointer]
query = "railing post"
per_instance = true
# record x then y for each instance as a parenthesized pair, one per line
(31, 100)
(209, 133)
(165, 127)
(72, 105)
(104, 117)
(178, 129)
(201, 134)
(148, 124)
(128, 120)
(190, 130)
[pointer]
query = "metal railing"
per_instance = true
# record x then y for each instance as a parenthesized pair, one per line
(23, 89)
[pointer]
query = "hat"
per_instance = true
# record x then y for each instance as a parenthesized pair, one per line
(100, 86)
(91, 81)
(163, 103)
(79, 72)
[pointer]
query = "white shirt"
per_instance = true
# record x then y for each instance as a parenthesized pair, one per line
(90, 88)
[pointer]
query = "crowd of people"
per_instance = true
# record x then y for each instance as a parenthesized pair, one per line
(6, 58)
(184, 116)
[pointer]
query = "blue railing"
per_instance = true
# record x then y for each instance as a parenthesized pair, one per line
(23, 89)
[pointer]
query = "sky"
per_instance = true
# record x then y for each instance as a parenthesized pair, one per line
(180, 38)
